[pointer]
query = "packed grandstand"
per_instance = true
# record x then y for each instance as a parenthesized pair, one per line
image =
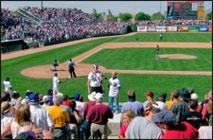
(54, 24)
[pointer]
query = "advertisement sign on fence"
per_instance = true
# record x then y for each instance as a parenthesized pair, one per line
(203, 29)
(142, 28)
(210, 28)
(184, 28)
(193, 28)
(160, 28)
(171, 28)
(151, 29)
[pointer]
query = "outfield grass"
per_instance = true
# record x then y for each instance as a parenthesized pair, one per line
(145, 59)
(167, 37)
(141, 83)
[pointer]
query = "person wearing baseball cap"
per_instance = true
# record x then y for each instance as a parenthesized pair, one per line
(95, 80)
(45, 101)
(39, 115)
(149, 97)
(98, 116)
(166, 121)
(79, 102)
(56, 83)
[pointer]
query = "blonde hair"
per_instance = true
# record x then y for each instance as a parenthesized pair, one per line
(129, 113)
(23, 115)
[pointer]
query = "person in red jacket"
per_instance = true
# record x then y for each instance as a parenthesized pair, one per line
(183, 130)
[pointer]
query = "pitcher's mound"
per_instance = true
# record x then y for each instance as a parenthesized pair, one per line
(177, 56)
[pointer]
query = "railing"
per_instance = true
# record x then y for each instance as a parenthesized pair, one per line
(21, 11)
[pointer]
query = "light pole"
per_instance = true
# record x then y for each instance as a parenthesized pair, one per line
(42, 5)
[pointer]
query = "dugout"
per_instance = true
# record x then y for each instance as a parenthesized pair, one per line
(13, 45)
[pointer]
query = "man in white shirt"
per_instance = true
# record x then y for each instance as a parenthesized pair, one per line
(95, 80)
(56, 83)
(114, 90)
(39, 115)
(7, 86)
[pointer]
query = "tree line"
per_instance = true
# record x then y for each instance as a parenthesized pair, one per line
(128, 16)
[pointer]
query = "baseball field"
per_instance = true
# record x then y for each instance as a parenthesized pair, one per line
(185, 61)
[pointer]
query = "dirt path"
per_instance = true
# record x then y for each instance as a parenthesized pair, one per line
(43, 71)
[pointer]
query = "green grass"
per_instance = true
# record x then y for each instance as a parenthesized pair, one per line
(141, 83)
(167, 37)
(145, 59)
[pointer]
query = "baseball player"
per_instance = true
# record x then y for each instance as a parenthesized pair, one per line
(95, 80)
(71, 68)
(157, 52)
(55, 64)
(56, 83)
(7, 86)
(114, 86)
(137, 41)
(161, 36)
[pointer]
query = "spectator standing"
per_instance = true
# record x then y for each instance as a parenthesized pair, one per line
(204, 113)
(173, 99)
(39, 115)
(87, 106)
(143, 127)
(127, 117)
(114, 90)
(7, 86)
(21, 123)
(181, 106)
(60, 118)
(79, 103)
(45, 102)
(71, 67)
(165, 120)
(95, 80)
(98, 116)
(191, 116)
(7, 115)
(149, 96)
(132, 104)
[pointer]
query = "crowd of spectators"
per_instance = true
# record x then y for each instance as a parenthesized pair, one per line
(55, 15)
(50, 31)
(60, 116)
(59, 23)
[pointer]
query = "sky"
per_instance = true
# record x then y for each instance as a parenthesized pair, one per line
(116, 7)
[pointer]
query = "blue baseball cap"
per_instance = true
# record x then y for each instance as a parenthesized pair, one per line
(55, 74)
(77, 96)
(34, 97)
(7, 79)
(164, 116)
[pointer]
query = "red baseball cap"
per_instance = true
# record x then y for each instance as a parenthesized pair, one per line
(149, 94)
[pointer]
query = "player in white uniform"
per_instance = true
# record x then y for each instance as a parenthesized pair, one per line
(7, 86)
(56, 83)
(95, 80)
(114, 90)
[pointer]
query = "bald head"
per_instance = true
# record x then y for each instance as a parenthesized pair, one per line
(114, 74)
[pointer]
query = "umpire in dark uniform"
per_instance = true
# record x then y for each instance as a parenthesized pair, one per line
(71, 66)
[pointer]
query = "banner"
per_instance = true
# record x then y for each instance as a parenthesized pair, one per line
(203, 29)
(151, 29)
(184, 28)
(210, 28)
(171, 28)
(142, 28)
(160, 28)
(193, 28)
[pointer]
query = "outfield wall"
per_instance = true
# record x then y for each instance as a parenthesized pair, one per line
(174, 28)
